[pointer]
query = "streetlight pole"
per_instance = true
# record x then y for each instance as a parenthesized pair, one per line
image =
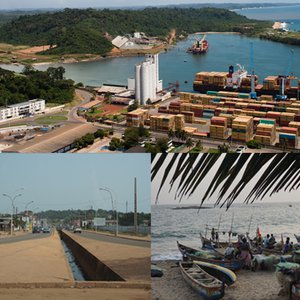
(12, 199)
(26, 214)
(112, 204)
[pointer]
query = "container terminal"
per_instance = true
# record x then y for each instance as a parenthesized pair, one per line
(221, 111)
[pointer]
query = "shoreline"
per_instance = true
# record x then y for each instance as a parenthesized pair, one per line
(259, 285)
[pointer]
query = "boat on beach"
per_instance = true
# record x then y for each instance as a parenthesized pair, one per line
(191, 254)
(223, 274)
(206, 286)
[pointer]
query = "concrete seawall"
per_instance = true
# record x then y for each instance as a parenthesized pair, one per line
(92, 267)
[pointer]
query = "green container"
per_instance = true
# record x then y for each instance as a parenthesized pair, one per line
(212, 93)
(271, 122)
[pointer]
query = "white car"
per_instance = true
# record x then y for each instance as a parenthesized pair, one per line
(240, 149)
(77, 230)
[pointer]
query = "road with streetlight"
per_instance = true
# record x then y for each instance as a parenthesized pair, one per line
(115, 240)
(23, 237)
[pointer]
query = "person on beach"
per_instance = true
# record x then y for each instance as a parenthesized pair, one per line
(287, 246)
(213, 234)
(246, 253)
(266, 241)
(229, 252)
(272, 241)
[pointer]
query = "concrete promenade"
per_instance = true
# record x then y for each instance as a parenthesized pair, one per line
(37, 269)
(38, 260)
(131, 262)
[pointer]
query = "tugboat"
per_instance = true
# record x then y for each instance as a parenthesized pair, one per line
(199, 47)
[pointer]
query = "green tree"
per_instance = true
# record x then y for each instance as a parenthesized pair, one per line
(254, 144)
(189, 143)
(115, 144)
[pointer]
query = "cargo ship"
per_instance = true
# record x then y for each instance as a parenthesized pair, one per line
(199, 47)
(240, 81)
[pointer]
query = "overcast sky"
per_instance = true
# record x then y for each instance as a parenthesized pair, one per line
(72, 181)
(167, 197)
(17, 4)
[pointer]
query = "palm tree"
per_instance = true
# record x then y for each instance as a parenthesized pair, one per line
(189, 142)
(279, 171)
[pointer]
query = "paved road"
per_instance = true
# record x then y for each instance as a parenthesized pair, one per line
(115, 240)
(72, 115)
(25, 237)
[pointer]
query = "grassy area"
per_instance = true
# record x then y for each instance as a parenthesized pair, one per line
(48, 120)
(13, 125)
(213, 151)
(76, 101)
(95, 112)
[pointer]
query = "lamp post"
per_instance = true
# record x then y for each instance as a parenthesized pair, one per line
(36, 208)
(112, 204)
(26, 214)
(12, 199)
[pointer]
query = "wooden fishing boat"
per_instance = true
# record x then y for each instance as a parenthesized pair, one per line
(223, 274)
(206, 286)
(209, 244)
(190, 254)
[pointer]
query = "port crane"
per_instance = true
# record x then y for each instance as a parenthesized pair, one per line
(253, 94)
(286, 78)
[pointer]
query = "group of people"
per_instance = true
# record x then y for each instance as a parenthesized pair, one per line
(242, 251)
(269, 241)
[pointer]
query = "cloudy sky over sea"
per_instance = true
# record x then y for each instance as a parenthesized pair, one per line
(17, 4)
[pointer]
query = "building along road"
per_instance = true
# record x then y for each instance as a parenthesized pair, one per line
(116, 240)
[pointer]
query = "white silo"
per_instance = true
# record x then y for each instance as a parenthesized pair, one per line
(138, 83)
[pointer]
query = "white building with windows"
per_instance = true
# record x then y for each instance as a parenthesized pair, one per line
(147, 83)
(19, 110)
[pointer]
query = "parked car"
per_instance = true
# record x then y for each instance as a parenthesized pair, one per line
(77, 230)
(240, 149)
(46, 230)
(35, 230)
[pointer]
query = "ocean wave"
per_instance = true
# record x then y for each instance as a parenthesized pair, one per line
(168, 235)
(171, 256)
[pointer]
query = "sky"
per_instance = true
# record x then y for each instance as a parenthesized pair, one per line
(18, 4)
(167, 197)
(72, 181)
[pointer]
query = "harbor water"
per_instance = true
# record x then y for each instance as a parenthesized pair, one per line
(289, 14)
(270, 58)
(184, 225)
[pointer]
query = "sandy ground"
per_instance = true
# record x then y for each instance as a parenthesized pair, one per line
(38, 260)
(74, 294)
(260, 285)
(277, 25)
(33, 50)
(130, 262)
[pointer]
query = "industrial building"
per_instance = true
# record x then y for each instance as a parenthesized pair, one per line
(30, 107)
(146, 83)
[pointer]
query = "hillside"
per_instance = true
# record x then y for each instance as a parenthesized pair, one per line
(82, 31)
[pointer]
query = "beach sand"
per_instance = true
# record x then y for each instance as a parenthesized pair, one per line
(260, 285)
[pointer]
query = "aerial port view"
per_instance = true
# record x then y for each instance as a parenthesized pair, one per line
(190, 86)
(149, 150)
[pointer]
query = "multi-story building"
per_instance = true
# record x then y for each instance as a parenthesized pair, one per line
(30, 107)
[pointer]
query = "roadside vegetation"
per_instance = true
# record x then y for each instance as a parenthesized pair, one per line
(31, 84)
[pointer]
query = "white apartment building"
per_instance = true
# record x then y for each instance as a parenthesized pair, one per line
(30, 107)
(147, 82)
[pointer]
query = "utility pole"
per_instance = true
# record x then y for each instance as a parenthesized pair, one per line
(135, 208)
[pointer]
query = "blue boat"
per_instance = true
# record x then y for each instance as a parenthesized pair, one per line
(190, 254)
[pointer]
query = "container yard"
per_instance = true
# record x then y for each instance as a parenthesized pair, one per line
(240, 81)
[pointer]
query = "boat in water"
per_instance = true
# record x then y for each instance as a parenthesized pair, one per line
(199, 47)
(206, 286)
